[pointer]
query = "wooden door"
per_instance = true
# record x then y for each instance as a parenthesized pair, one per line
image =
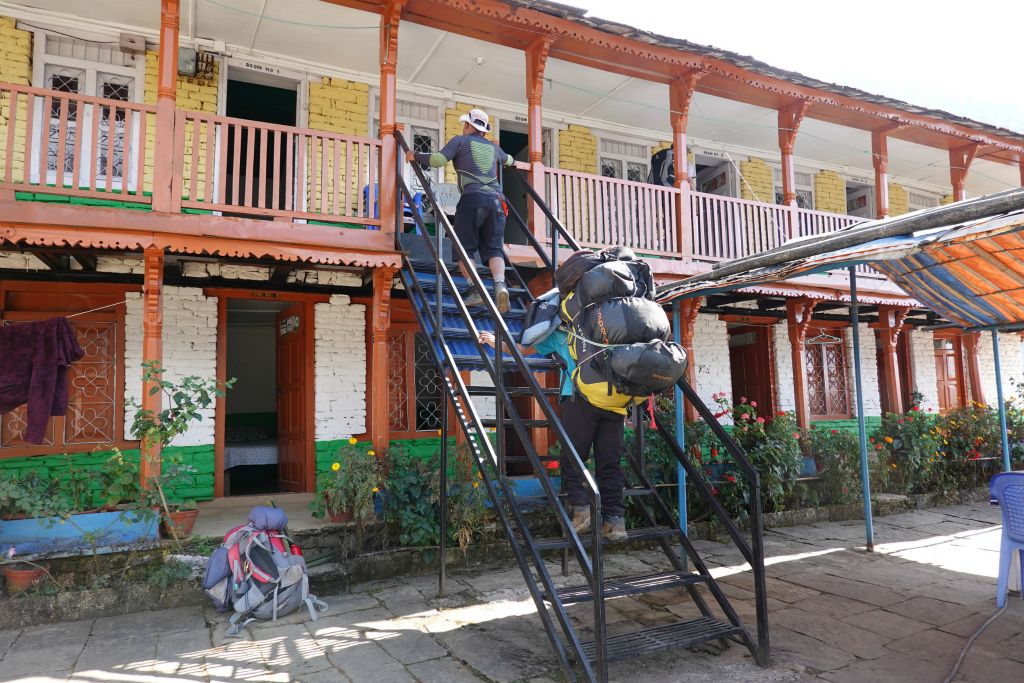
(947, 374)
(750, 366)
(292, 439)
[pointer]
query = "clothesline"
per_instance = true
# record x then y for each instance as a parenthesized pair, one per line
(7, 323)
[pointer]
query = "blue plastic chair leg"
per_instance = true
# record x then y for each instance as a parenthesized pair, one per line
(1005, 559)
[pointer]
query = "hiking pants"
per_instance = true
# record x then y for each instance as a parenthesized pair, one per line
(589, 427)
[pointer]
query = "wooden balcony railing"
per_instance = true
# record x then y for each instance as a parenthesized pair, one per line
(71, 144)
(599, 211)
(246, 167)
(68, 144)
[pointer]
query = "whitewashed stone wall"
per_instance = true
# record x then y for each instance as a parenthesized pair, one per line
(485, 405)
(711, 357)
(231, 271)
(1009, 357)
(785, 398)
(16, 261)
(190, 348)
(922, 352)
(340, 368)
(114, 264)
(868, 369)
(337, 278)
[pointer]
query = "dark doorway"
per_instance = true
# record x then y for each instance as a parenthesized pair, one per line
(516, 145)
(266, 104)
(750, 363)
(264, 353)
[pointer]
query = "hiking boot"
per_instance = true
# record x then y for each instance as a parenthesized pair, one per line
(581, 519)
(614, 529)
(474, 299)
(501, 297)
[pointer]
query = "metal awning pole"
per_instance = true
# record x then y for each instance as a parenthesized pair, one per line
(862, 430)
(1002, 404)
(677, 332)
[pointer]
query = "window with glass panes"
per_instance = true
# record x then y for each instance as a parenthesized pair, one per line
(95, 69)
(624, 160)
(827, 378)
(414, 384)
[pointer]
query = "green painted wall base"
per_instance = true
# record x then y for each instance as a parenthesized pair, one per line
(872, 422)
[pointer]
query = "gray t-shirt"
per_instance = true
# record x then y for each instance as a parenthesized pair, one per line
(475, 159)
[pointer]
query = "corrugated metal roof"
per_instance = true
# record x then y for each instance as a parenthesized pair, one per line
(971, 274)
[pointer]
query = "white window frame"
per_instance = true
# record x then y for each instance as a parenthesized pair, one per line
(624, 159)
(437, 124)
(41, 65)
(806, 188)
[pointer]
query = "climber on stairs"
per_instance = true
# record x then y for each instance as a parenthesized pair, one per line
(481, 211)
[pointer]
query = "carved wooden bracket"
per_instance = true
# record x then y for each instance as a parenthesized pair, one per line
(536, 61)
(880, 151)
(680, 95)
(959, 164)
(798, 313)
(382, 281)
(389, 18)
(890, 323)
(153, 280)
(790, 118)
(688, 310)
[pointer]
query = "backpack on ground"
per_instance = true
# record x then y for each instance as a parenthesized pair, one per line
(259, 573)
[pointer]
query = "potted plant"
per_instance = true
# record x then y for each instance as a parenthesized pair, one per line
(183, 401)
(347, 489)
(20, 575)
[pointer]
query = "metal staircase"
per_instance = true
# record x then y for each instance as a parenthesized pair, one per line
(436, 294)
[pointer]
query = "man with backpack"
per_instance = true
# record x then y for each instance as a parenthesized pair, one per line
(481, 211)
(588, 428)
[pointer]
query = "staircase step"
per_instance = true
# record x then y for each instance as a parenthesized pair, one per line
(529, 424)
(472, 362)
(671, 636)
(478, 390)
(640, 534)
(631, 585)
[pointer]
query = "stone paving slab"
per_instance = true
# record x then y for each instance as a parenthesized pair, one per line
(838, 614)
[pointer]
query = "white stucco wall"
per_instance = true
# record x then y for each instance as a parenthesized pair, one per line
(1009, 358)
(711, 357)
(922, 352)
(785, 399)
(868, 369)
(340, 368)
(190, 348)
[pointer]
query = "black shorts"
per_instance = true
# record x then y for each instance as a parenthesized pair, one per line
(480, 225)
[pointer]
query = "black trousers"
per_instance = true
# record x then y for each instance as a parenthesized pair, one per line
(603, 431)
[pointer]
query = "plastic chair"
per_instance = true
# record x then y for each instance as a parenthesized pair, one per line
(1007, 488)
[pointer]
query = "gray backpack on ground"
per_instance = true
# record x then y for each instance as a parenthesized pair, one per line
(259, 573)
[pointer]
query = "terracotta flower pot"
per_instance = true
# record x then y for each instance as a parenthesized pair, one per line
(20, 577)
(339, 516)
(182, 520)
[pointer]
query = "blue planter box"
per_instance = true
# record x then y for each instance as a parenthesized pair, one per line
(529, 486)
(109, 531)
(810, 467)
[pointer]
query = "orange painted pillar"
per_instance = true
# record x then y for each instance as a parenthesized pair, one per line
(1021, 165)
(790, 117)
(971, 342)
(680, 95)
(152, 348)
(798, 317)
(380, 326)
(880, 158)
(688, 310)
(890, 326)
(536, 60)
(166, 84)
(388, 196)
(959, 164)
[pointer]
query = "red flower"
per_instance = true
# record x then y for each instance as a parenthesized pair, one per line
(900, 421)
(753, 404)
(552, 465)
(796, 435)
(871, 439)
(781, 413)
(914, 409)
(760, 420)
(745, 416)
(721, 414)
(731, 479)
(714, 491)
(835, 431)
(743, 399)
(714, 452)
